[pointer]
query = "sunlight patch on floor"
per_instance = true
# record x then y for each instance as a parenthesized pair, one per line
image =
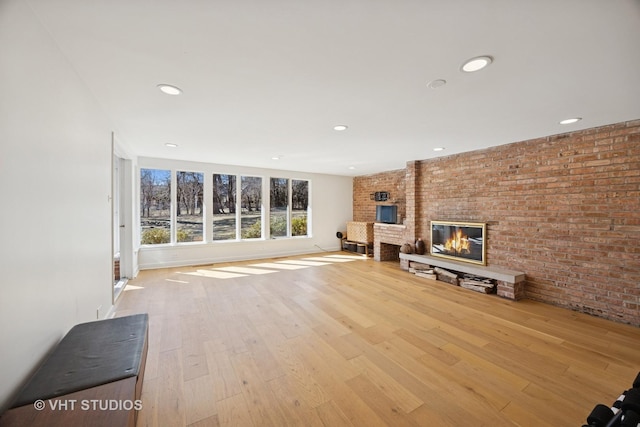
(350, 257)
(177, 281)
(280, 266)
(302, 262)
(232, 272)
(246, 270)
(132, 288)
(216, 274)
(326, 258)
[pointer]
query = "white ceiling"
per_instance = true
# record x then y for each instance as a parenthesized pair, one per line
(272, 77)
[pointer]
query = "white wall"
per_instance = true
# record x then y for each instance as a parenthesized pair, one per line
(55, 160)
(331, 207)
(55, 212)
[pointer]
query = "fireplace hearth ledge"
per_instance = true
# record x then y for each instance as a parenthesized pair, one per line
(510, 282)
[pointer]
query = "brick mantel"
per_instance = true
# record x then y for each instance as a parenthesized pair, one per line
(387, 239)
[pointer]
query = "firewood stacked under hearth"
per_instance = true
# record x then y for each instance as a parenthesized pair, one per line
(478, 284)
(467, 281)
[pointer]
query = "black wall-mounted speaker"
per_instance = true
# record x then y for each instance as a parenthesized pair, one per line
(381, 196)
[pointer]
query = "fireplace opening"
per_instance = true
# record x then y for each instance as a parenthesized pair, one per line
(389, 252)
(462, 241)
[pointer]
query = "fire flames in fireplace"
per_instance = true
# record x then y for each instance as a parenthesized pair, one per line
(458, 243)
(463, 241)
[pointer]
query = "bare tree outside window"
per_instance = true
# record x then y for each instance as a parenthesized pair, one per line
(224, 207)
(299, 207)
(155, 206)
(251, 207)
(278, 215)
(189, 208)
(288, 216)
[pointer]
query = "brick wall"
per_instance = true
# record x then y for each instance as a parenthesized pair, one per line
(364, 208)
(564, 209)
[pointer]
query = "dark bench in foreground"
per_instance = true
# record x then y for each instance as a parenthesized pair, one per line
(92, 377)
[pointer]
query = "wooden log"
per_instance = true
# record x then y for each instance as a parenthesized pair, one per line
(446, 276)
(421, 269)
(477, 286)
(418, 265)
(445, 273)
(476, 278)
(415, 267)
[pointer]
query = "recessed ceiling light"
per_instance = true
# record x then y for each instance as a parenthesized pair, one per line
(438, 149)
(569, 121)
(276, 157)
(340, 127)
(352, 167)
(435, 84)
(171, 145)
(169, 89)
(476, 64)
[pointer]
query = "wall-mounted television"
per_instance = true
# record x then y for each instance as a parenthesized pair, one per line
(387, 214)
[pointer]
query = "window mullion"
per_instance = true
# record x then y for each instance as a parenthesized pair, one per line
(238, 207)
(289, 206)
(174, 206)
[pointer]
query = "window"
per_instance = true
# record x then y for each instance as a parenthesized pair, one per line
(155, 206)
(279, 201)
(251, 207)
(299, 207)
(224, 207)
(289, 207)
(173, 207)
(189, 209)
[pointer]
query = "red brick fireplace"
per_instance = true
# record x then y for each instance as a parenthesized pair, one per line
(563, 209)
(387, 239)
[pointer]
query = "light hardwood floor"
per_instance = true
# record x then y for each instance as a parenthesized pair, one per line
(340, 340)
